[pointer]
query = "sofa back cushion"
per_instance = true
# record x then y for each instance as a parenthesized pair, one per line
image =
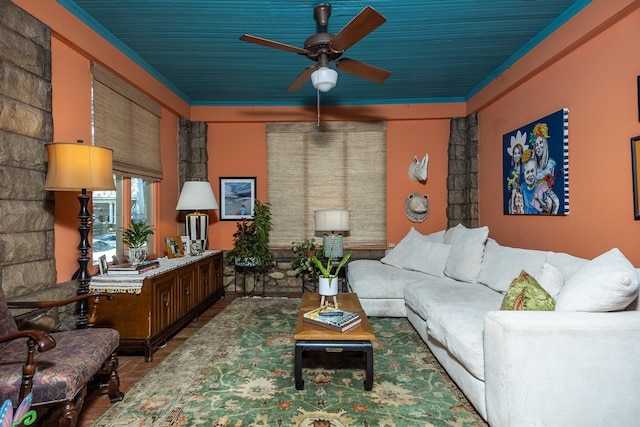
(502, 263)
(467, 249)
(421, 253)
(609, 282)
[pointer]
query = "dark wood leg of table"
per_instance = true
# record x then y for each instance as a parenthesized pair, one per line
(297, 367)
(368, 382)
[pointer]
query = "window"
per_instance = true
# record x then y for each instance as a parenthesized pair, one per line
(108, 207)
(128, 122)
(341, 165)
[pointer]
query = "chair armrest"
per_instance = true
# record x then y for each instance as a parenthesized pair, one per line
(43, 340)
(58, 303)
(562, 368)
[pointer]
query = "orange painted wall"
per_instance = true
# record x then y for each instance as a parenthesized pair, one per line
(71, 80)
(238, 148)
(597, 82)
(166, 193)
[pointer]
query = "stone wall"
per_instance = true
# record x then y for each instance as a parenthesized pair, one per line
(282, 279)
(192, 151)
(462, 181)
(27, 261)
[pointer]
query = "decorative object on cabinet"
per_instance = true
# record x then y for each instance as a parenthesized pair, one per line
(80, 167)
(150, 308)
(135, 238)
(197, 196)
(417, 207)
(237, 198)
(418, 169)
(174, 247)
(251, 241)
(635, 168)
(332, 222)
(103, 265)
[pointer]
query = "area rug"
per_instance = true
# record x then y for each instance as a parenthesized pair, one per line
(237, 370)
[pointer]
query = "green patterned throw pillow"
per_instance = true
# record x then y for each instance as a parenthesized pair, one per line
(525, 293)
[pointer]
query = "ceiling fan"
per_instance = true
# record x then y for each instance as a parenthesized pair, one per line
(324, 47)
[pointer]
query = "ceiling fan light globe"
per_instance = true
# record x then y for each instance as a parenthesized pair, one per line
(324, 79)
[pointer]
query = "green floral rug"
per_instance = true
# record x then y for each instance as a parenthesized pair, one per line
(237, 370)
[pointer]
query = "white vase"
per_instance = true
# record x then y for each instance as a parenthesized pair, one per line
(328, 286)
(136, 255)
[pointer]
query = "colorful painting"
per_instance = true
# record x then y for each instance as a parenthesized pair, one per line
(536, 167)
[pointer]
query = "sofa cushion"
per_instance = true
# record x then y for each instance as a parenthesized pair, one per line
(419, 253)
(422, 296)
(460, 329)
(466, 252)
(567, 264)
(609, 282)
(551, 279)
(525, 293)
(501, 264)
(373, 279)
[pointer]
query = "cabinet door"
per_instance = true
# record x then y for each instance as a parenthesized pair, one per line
(218, 272)
(205, 279)
(165, 302)
(186, 289)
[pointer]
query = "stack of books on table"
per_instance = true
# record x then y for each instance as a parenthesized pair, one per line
(332, 318)
(133, 269)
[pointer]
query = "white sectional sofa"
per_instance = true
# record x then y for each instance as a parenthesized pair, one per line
(578, 365)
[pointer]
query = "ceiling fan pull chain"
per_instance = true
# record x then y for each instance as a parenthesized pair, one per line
(318, 104)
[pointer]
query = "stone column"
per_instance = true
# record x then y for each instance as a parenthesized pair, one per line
(192, 151)
(462, 180)
(27, 261)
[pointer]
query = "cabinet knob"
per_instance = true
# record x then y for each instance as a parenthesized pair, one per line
(187, 291)
(166, 302)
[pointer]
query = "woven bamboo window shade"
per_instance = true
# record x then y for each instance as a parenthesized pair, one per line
(339, 165)
(128, 122)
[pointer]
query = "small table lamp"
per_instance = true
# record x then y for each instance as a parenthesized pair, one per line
(80, 167)
(197, 195)
(332, 222)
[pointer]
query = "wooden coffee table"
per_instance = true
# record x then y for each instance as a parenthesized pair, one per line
(310, 337)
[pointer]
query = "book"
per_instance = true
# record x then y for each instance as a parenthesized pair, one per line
(332, 318)
(133, 269)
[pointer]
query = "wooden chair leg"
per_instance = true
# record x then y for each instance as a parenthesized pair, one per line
(115, 395)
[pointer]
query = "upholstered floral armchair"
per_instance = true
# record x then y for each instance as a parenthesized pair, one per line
(56, 367)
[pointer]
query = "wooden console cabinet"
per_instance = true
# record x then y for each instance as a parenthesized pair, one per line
(166, 303)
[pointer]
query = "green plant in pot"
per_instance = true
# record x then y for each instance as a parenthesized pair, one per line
(135, 239)
(303, 253)
(326, 285)
(251, 241)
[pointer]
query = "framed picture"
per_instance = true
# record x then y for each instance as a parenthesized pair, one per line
(238, 196)
(174, 247)
(102, 264)
(635, 168)
(185, 245)
(195, 246)
(535, 167)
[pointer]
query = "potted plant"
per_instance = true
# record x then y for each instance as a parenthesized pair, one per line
(303, 254)
(135, 239)
(326, 285)
(251, 241)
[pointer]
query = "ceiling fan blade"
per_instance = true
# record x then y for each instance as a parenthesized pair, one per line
(366, 21)
(276, 45)
(360, 69)
(301, 79)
